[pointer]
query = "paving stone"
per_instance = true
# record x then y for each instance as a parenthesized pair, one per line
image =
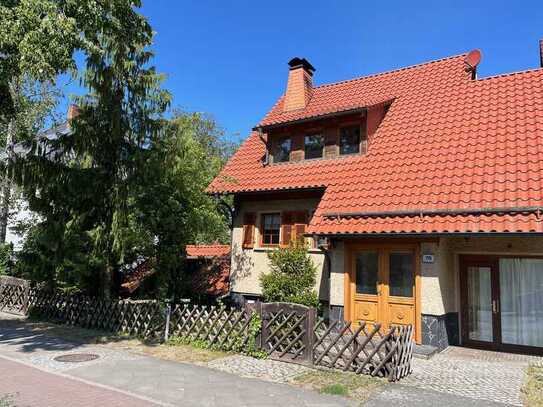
(475, 374)
(265, 369)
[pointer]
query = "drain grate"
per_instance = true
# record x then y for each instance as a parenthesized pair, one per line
(76, 357)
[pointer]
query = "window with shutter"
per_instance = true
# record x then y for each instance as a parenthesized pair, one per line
(286, 228)
(249, 230)
(300, 222)
(293, 226)
(270, 227)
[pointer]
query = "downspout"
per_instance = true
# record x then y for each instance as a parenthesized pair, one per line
(328, 266)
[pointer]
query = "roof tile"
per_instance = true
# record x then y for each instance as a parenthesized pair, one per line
(447, 142)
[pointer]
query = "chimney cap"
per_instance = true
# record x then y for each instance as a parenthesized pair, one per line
(73, 111)
(297, 62)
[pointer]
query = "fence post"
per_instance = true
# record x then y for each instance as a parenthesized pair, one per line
(311, 318)
(168, 312)
(263, 330)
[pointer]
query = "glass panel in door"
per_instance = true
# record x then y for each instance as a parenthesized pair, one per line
(521, 298)
(367, 270)
(402, 274)
(479, 281)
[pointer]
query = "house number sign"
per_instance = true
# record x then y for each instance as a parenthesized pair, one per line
(428, 258)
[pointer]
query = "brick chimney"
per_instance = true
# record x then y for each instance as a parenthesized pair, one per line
(73, 111)
(300, 84)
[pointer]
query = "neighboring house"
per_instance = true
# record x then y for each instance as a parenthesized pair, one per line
(208, 270)
(419, 191)
(206, 274)
(133, 275)
(18, 210)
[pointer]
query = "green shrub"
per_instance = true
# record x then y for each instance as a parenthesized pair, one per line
(6, 400)
(336, 389)
(6, 258)
(292, 277)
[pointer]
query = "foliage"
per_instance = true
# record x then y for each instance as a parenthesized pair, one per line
(79, 183)
(124, 183)
(335, 389)
(170, 202)
(532, 391)
(39, 38)
(357, 387)
(6, 400)
(292, 277)
(6, 259)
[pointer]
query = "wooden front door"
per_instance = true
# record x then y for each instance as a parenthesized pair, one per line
(383, 283)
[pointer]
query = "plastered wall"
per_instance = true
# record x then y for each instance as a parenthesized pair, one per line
(249, 264)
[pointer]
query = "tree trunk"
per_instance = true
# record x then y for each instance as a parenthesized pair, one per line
(6, 186)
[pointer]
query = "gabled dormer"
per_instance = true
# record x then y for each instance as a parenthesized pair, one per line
(303, 126)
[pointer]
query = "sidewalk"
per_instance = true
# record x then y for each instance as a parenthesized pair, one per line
(158, 381)
(28, 386)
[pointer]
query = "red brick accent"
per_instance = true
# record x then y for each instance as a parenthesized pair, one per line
(299, 89)
(73, 111)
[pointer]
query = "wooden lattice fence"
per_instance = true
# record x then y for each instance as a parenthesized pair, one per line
(226, 328)
(368, 349)
(14, 295)
(286, 332)
(138, 318)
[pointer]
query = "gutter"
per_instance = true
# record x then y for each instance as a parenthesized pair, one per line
(438, 212)
(311, 119)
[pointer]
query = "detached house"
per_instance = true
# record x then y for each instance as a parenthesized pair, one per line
(419, 192)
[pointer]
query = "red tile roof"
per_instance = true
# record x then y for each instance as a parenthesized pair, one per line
(133, 279)
(447, 142)
(213, 275)
(213, 250)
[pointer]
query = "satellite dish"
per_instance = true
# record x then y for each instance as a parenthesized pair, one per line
(473, 59)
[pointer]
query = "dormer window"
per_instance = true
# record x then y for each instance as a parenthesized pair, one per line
(313, 146)
(282, 150)
(349, 140)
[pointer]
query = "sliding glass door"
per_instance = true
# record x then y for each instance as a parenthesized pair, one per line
(521, 301)
(479, 285)
(502, 303)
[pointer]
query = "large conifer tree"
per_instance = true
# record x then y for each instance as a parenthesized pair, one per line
(80, 182)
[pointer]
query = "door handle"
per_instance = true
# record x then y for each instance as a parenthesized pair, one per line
(495, 306)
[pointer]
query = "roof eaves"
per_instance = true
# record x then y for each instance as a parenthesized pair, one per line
(338, 113)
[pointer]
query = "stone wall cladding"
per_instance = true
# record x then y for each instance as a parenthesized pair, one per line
(336, 313)
(440, 331)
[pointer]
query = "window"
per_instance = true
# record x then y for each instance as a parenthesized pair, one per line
(313, 145)
(271, 224)
(367, 270)
(282, 150)
(349, 140)
(402, 274)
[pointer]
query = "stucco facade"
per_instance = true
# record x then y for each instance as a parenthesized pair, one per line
(439, 302)
(247, 265)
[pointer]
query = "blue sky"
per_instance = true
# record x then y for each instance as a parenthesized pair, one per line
(229, 58)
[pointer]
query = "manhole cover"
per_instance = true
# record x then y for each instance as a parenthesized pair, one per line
(76, 357)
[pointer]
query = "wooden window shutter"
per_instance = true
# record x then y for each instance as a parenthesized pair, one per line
(249, 220)
(300, 223)
(286, 228)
